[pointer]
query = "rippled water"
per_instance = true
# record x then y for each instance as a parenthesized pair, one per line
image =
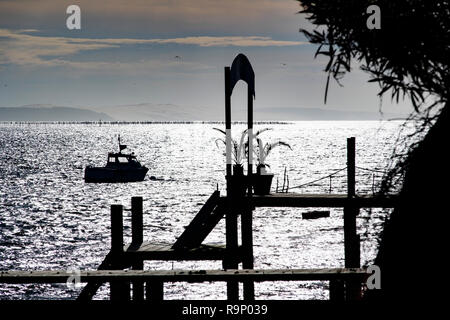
(51, 219)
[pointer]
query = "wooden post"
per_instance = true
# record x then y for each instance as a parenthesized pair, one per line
(351, 238)
(230, 215)
(250, 134)
(351, 167)
(137, 239)
(246, 216)
(228, 121)
(247, 250)
(230, 261)
(154, 291)
(352, 250)
(337, 291)
(117, 230)
(136, 220)
(118, 290)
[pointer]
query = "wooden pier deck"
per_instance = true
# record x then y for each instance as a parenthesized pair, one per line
(256, 275)
(301, 200)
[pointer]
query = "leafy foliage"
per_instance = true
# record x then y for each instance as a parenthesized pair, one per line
(408, 56)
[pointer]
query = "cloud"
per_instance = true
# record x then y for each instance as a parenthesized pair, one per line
(249, 41)
(160, 18)
(21, 48)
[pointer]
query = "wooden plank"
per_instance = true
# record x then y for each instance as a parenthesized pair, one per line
(201, 225)
(322, 201)
(90, 289)
(208, 225)
(186, 275)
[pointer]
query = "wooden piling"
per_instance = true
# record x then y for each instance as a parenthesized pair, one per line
(230, 216)
(351, 152)
(247, 214)
(250, 138)
(118, 290)
(116, 229)
(136, 220)
(137, 239)
(337, 293)
(228, 119)
(230, 261)
(154, 291)
(247, 250)
(351, 237)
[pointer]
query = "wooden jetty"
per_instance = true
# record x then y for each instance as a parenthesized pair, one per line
(345, 283)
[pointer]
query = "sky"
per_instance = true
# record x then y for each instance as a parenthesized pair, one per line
(132, 52)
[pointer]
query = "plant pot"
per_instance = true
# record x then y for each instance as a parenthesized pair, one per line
(262, 183)
(238, 170)
(238, 182)
(238, 185)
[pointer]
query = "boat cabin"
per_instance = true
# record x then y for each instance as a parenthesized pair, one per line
(117, 159)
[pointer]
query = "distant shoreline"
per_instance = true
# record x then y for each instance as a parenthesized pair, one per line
(185, 122)
(150, 113)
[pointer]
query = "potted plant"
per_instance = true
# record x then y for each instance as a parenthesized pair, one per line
(239, 182)
(262, 180)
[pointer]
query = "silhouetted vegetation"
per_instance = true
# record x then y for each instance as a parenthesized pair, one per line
(409, 58)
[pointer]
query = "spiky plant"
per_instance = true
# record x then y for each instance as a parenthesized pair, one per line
(263, 150)
(239, 149)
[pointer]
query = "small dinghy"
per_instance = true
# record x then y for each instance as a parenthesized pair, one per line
(316, 214)
(121, 167)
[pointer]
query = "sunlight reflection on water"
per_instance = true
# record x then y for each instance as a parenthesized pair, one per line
(51, 219)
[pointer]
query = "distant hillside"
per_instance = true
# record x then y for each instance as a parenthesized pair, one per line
(50, 113)
(171, 112)
(318, 114)
(158, 112)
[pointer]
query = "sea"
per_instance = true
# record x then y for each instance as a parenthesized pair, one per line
(50, 219)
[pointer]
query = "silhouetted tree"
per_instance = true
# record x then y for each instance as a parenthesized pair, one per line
(408, 57)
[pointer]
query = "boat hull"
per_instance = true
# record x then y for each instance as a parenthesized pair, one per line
(111, 175)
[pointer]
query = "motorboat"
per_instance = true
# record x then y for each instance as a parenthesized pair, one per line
(120, 167)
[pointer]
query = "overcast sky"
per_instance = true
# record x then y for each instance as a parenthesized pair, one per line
(166, 51)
